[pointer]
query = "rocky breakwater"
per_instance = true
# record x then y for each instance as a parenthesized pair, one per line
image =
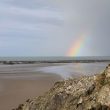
(85, 93)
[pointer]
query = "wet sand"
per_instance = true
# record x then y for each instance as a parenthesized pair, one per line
(20, 82)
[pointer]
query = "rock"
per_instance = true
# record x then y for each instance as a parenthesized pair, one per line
(85, 93)
(104, 95)
(107, 71)
(90, 89)
(80, 100)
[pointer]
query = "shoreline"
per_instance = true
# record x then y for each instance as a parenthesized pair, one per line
(21, 82)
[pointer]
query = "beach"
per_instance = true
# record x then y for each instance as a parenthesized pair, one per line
(20, 82)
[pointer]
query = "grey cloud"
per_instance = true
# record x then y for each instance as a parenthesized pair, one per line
(33, 4)
(55, 24)
(27, 21)
(92, 16)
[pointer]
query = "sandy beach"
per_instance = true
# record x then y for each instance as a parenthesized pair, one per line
(20, 82)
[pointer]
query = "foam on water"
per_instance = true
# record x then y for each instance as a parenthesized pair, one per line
(75, 69)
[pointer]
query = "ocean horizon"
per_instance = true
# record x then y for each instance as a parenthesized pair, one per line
(54, 58)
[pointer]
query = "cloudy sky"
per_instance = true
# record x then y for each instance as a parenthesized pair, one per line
(51, 27)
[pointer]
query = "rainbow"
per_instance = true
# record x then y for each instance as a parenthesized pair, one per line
(76, 46)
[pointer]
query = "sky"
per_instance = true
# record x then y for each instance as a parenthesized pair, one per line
(52, 27)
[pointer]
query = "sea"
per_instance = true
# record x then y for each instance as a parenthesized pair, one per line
(54, 58)
(67, 70)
